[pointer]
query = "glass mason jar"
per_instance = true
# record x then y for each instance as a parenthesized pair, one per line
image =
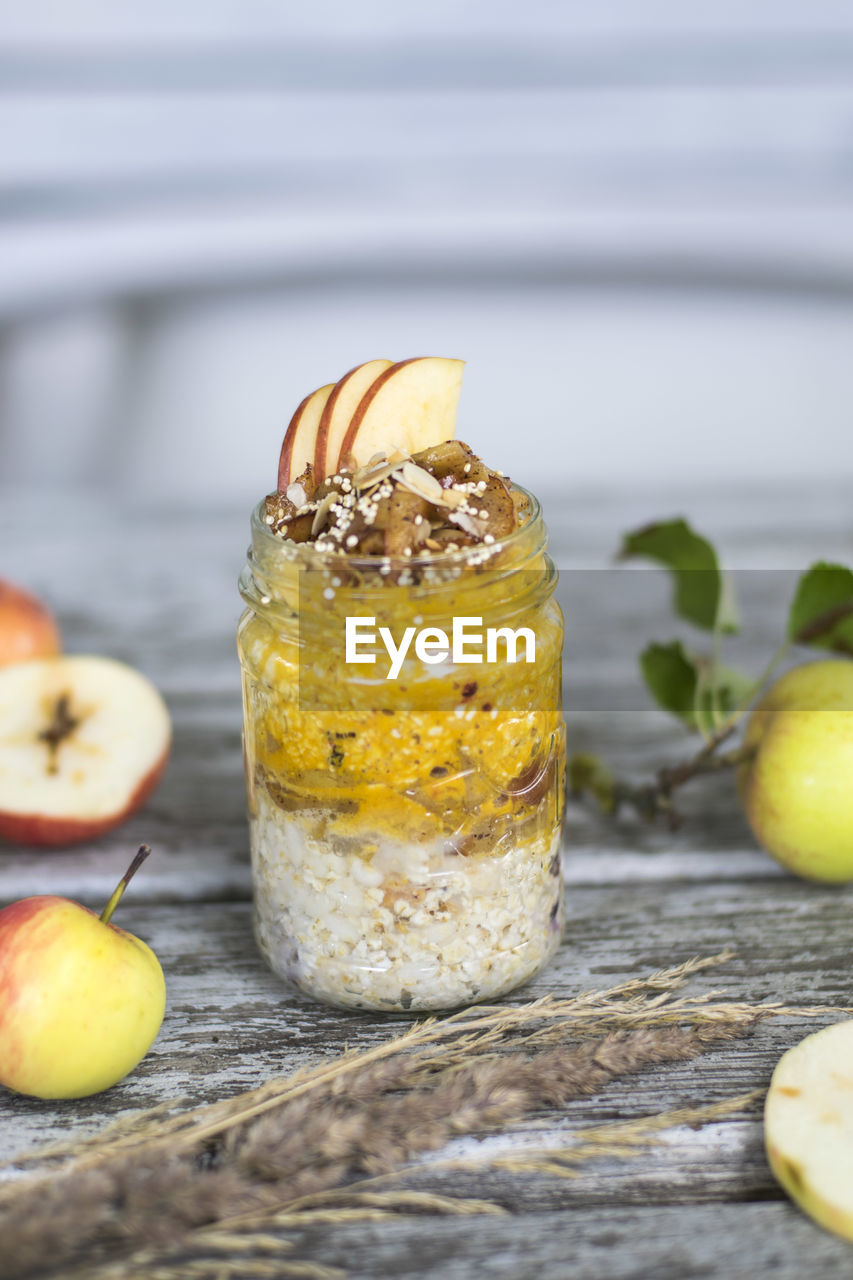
(405, 828)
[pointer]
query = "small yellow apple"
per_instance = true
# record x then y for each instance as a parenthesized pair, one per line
(81, 1001)
(797, 789)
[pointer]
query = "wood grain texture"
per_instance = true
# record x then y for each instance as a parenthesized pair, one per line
(701, 1203)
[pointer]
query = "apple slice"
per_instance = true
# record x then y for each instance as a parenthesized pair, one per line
(83, 743)
(300, 438)
(411, 406)
(808, 1125)
(27, 628)
(337, 414)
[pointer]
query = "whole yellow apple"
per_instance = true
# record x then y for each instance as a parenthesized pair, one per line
(81, 1001)
(797, 789)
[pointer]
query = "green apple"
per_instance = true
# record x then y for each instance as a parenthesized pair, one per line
(797, 789)
(81, 1001)
(808, 1126)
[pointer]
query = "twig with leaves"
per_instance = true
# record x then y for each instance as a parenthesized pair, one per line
(710, 698)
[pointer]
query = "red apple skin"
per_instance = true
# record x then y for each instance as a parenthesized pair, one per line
(40, 832)
(286, 456)
(27, 628)
(15, 921)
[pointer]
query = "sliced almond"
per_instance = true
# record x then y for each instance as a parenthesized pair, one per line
(421, 483)
(475, 525)
(368, 477)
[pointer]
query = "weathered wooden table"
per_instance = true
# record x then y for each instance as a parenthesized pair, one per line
(157, 588)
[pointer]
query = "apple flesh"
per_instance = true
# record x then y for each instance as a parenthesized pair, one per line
(27, 628)
(797, 790)
(411, 406)
(808, 1126)
(300, 438)
(83, 743)
(338, 412)
(81, 1001)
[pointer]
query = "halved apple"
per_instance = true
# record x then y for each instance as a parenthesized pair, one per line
(83, 743)
(300, 438)
(808, 1125)
(337, 414)
(411, 405)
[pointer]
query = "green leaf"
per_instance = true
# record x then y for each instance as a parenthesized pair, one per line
(691, 687)
(822, 610)
(671, 678)
(703, 595)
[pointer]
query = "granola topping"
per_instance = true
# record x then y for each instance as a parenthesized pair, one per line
(402, 506)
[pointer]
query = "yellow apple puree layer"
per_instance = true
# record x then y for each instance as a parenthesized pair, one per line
(466, 752)
(471, 753)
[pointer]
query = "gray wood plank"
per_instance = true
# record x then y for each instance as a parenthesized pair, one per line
(732, 1242)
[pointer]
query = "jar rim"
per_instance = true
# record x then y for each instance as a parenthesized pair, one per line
(516, 571)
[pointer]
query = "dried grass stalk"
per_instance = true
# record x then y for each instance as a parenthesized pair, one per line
(374, 1199)
(271, 1150)
(646, 1000)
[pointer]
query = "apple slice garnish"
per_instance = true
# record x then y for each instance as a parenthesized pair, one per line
(300, 438)
(83, 743)
(410, 406)
(337, 414)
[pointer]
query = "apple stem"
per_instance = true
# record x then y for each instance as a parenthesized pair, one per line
(115, 898)
(652, 800)
(704, 762)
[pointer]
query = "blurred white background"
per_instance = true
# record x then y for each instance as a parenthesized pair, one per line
(634, 220)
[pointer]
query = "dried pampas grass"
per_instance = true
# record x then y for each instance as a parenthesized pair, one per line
(205, 1191)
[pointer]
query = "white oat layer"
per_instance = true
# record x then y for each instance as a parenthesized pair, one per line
(411, 926)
